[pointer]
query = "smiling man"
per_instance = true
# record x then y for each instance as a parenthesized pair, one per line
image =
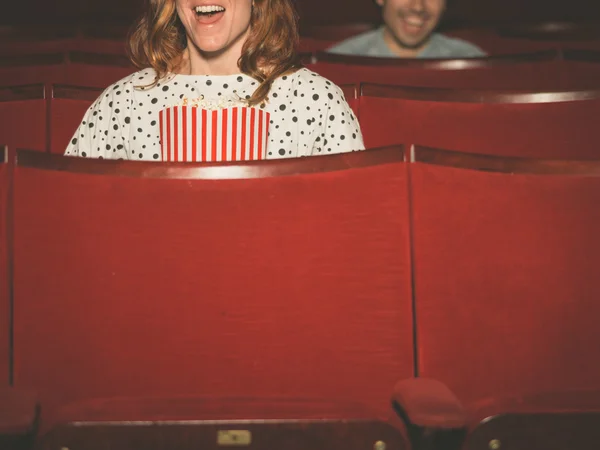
(408, 32)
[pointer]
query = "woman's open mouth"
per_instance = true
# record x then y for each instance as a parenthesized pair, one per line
(209, 14)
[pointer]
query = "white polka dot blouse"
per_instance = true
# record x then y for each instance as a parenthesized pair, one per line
(206, 118)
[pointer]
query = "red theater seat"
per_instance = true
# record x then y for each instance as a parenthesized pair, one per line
(555, 32)
(547, 420)
(336, 32)
(488, 39)
(215, 422)
(287, 278)
(68, 105)
(309, 44)
(559, 125)
(505, 257)
(551, 420)
(23, 117)
(97, 69)
(33, 68)
(18, 419)
(525, 71)
(562, 36)
(102, 38)
(101, 46)
(36, 39)
(4, 271)
(520, 38)
(351, 95)
(582, 67)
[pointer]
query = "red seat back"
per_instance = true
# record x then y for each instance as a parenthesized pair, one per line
(583, 34)
(96, 38)
(294, 284)
(36, 39)
(23, 117)
(526, 71)
(351, 94)
(311, 44)
(4, 271)
(97, 69)
(103, 38)
(492, 43)
(336, 32)
(505, 258)
(560, 125)
(101, 45)
(68, 106)
(582, 67)
(33, 68)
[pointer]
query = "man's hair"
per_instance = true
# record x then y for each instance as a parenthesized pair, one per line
(158, 40)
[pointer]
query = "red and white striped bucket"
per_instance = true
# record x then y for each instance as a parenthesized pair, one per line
(194, 134)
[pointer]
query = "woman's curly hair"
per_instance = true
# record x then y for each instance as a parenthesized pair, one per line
(158, 40)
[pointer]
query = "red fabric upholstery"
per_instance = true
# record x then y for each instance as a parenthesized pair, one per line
(351, 95)
(493, 44)
(33, 72)
(35, 39)
(505, 281)
(34, 46)
(65, 116)
(311, 44)
(429, 403)
(538, 75)
(4, 286)
(101, 45)
(40, 46)
(561, 130)
(96, 75)
(23, 121)
(580, 74)
(190, 423)
(207, 408)
(336, 32)
(554, 420)
(99, 71)
(294, 286)
(19, 411)
(566, 401)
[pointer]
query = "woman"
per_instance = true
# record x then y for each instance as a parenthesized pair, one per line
(221, 82)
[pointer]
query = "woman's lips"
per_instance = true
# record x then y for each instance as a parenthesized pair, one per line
(208, 14)
(209, 19)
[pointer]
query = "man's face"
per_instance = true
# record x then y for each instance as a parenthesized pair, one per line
(411, 22)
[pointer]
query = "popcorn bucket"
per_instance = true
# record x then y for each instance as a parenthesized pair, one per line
(190, 133)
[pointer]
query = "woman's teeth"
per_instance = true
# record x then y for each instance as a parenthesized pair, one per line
(210, 9)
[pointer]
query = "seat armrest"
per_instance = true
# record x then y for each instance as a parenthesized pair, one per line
(429, 403)
(19, 412)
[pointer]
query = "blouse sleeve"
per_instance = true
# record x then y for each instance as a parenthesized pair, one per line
(104, 129)
(335, 129)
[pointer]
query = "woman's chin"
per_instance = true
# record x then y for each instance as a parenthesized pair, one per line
(210, 46)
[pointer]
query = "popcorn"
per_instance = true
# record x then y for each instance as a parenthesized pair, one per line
(210, 105)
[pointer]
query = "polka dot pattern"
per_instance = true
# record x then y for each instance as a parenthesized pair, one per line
(309, 115)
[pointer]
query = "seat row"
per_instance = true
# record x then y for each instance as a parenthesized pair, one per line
(461, 287)
(544, 70)
(72, 67)
(541, 70)
(508, 39)
(550, 125)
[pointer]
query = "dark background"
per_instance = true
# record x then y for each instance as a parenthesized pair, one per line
(460, 12)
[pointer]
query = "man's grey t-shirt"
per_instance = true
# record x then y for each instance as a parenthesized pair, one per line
(371, 43)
